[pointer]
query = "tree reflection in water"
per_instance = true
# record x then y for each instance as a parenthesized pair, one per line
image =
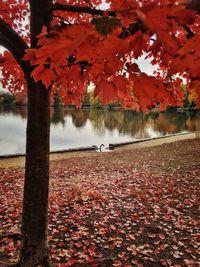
(136, 124)
(13, 110)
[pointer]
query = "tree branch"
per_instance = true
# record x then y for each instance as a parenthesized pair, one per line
(194, 5)
(81, 9)
(16, 54)
(132, 29)
(13, 42)
(12, 37)
(6, 44)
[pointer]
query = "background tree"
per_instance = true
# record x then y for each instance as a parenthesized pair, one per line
(67, 45)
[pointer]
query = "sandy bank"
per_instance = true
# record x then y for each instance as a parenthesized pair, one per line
(20, 160)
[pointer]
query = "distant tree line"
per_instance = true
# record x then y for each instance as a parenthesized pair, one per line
(89, 101)
(11, 99)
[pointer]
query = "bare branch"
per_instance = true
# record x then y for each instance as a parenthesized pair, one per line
(81, 9)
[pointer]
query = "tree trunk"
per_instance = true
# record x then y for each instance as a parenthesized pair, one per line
(197, 126)
(35, 203)
(34, 250)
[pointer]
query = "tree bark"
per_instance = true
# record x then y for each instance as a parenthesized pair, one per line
(197, 127)
(35, 203)
(34, 250)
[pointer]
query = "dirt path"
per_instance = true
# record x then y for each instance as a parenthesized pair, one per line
(20, 161)
(160, 141)
(13, 162)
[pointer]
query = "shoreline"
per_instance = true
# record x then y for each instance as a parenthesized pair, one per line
(19, 160)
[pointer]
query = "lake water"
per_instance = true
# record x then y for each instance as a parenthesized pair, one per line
(79, 128)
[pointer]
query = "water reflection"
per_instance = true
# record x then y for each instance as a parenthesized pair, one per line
(76, 128)
(8, 110)
(58, 116)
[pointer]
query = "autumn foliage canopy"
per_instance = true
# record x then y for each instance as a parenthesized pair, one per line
(98, 42)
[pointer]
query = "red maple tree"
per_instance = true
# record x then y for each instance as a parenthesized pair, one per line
(68, 45)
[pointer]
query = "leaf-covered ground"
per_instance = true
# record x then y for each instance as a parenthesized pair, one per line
(137, 207)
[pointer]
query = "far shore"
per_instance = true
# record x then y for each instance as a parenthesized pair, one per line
(100, 107)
